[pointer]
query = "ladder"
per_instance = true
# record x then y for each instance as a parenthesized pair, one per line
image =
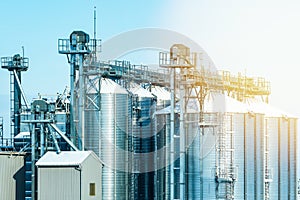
(1, 131)
(12, 100)
(225, 174)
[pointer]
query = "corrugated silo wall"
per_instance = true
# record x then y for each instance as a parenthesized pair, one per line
(163, 168)
(193, 168)
(293, 158)
(283, 157)
(249, 142)
(248, 163)
(166, 178)
(106, 133)
(208, 138)
(143, 145)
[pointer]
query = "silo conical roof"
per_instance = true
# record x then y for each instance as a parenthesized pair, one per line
(141, 92)
(108, 86)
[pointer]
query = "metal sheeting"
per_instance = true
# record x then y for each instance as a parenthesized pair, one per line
(106, 133)
(163, 167)
(193, 169)
(12, 176)
(283, 158)
(248, 162)
(143, 142)
(163, 138)
(292, 144)
(53, 176)
(253, 161)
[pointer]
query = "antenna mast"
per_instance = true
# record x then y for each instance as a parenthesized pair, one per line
(95, 22)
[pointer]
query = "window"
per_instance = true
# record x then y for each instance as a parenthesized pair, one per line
(92, 189)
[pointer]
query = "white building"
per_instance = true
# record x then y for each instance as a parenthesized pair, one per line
(70, 175)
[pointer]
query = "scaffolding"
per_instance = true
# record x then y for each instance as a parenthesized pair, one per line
(236, 86)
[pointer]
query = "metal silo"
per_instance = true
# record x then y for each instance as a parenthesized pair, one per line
(166, 158)
(106, 133)
(162, 132)
(283, 157)
(281, 132)
(143, 145)
(232, 151)
(292, 166)
(250, 157)
(193, 155)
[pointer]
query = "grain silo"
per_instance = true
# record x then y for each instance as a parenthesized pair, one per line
(231, 150)
(143, 145)
(162, 131)
(106, 133)
(281, 148)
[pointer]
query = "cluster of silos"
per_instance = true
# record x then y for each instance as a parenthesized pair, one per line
(238, 151)
(120, 128)
(235, 152)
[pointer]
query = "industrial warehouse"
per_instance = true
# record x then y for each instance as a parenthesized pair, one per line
(128, 131)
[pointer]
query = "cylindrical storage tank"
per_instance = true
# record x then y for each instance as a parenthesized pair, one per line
(167, 159)
(143, 145)
(232, 151)
(281, 148)
(249, 145)
(207, 158)
(193, 169)
(162, 132)
(108, 123)
(283, 157)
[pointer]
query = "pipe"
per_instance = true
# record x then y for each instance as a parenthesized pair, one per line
(21, 89)
(54, 140)
(17, 106)
(172, 130)
(81, 101)
(64, 137)
(33, 162)
(182, 139)
(72, 99)
(42, 138)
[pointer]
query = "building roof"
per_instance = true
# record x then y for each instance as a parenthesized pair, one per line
(65, 158)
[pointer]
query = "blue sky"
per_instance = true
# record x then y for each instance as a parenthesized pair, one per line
(261, 38)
